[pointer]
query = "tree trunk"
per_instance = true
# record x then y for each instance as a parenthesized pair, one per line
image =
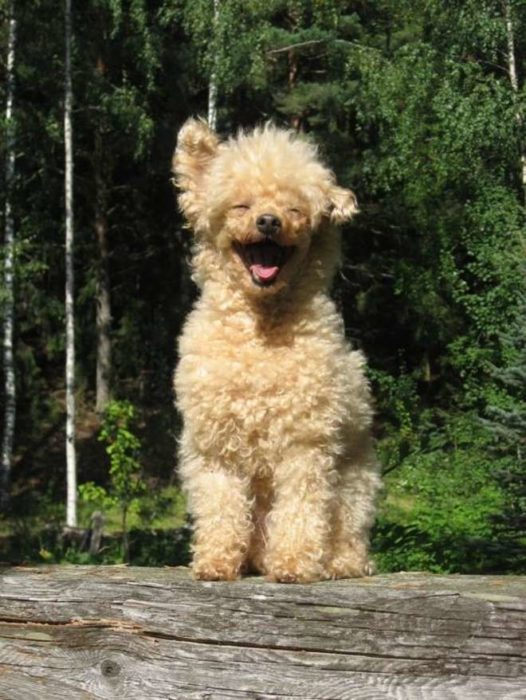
(212, 85)
(514, 80)
(295, 119)
(125, 535)
(9, 242)
(71, 458)
(103, 296)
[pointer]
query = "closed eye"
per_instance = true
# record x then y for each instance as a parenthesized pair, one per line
(241, 207)
(295, 211)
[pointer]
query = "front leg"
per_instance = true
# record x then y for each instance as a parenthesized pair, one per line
(354, 512)
(219, 502)
(299, 523)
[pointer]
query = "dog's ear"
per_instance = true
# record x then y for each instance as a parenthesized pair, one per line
(343, 204)
(196, 148)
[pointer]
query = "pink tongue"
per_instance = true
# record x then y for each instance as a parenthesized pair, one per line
(262, 272)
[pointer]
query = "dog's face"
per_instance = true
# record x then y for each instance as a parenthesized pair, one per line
(257, 201)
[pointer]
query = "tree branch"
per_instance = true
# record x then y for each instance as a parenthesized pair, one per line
(299, 45)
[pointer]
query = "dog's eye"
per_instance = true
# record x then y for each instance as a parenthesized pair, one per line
(240, 207)
(295, 211)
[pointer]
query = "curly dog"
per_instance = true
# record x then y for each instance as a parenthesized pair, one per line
(276, 453)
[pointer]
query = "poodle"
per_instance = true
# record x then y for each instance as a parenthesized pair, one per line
(276, 454)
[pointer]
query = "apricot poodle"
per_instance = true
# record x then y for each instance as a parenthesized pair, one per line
(276, 453)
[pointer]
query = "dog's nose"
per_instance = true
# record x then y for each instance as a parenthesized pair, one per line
(268, 224)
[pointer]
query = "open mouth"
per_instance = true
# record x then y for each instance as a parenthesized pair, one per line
(264, 260)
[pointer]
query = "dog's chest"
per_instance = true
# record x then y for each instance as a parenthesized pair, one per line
(262, 377)
(238, 394)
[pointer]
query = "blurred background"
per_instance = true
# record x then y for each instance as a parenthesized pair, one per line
(418, 106)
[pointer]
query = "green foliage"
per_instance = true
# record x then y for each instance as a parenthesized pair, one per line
(441, 507)
(506, 418)
(122, 447)
(93, 497)
(398, 396)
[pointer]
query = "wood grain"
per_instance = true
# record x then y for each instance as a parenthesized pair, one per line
(118, 632)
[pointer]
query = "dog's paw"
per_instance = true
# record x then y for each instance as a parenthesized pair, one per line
(215, 570)
(369, 568)
(350, 566)
(290, 570)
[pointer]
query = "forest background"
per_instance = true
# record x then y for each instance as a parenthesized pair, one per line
(418, 106)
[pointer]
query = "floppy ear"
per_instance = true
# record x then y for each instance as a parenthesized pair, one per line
(342, 204)
(196, 148)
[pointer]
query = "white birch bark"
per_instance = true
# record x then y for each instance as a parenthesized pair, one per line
(71, 458)
(212, 85)
(514, 80)
(9, 242)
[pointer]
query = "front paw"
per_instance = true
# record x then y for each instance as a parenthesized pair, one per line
(350, 566)
(215, 570)
(292, 570)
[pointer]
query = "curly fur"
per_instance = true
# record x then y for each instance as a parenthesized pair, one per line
(276, 454)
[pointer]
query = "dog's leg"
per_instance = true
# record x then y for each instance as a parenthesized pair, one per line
(299, 522)
(354, 513)
(262, 490)
(220, 504)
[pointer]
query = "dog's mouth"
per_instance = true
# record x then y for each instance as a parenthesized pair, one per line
(264, 260)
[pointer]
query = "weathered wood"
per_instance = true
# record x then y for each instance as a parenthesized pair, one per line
(116, 632)
(96, 531)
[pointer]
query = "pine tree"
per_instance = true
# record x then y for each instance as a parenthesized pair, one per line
(507, 421)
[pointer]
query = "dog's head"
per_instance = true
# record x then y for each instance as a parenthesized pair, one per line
(262, 205)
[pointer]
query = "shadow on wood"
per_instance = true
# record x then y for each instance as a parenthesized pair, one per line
(117, 632)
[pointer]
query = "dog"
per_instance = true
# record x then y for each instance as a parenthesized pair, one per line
(276, 455)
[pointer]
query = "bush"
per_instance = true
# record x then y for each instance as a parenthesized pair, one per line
(123, 447)
(440, 507)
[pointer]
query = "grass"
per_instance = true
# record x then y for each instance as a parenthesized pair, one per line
(164, 509)
(155, 524)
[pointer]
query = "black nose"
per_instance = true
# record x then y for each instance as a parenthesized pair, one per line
(268, 224)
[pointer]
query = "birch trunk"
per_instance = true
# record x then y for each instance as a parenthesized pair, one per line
(514, 80)
(71, 460)
(103, 296)
(212, 85)
(9, 241)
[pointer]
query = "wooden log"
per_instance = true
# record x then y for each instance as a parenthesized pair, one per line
(118, 632)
